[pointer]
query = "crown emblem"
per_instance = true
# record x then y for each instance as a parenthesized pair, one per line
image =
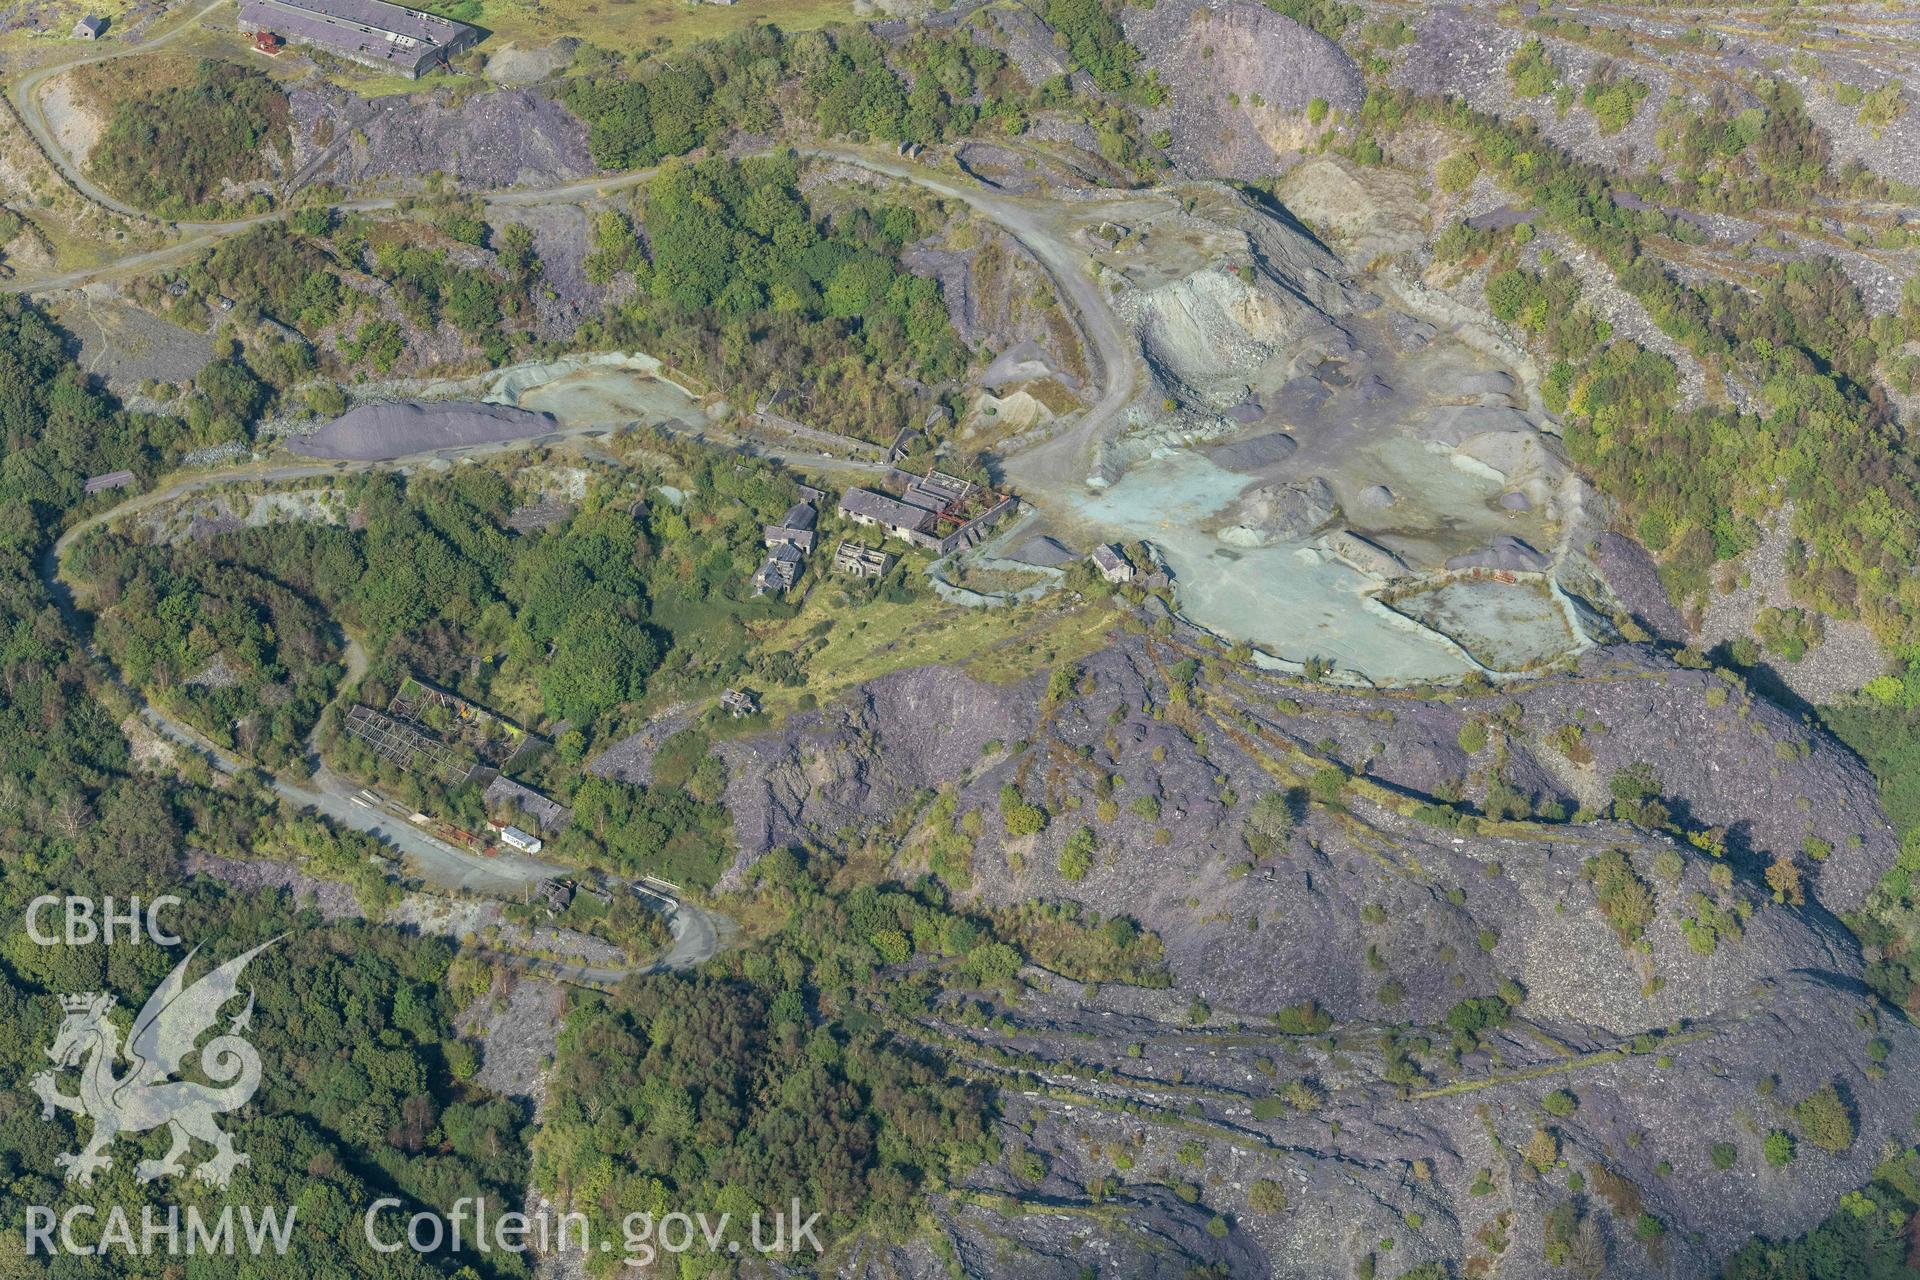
(85, 1002)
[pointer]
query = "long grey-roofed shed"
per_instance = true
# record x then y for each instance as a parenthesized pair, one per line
(372, 32)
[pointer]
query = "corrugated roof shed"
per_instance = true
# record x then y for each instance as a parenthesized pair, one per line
(547, 814)
(110, 480)
(370, 31)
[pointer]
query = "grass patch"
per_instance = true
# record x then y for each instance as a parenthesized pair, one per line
(170, 148)
(628, 25)
(866, 639)
(1888, 739)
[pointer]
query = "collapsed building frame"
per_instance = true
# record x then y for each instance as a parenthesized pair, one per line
(940, 512)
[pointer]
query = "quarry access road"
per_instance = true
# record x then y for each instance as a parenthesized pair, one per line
(26, 101)
(697, 933)
(1064, 459)
(207, 234)
(25, 95)
(1060, 461)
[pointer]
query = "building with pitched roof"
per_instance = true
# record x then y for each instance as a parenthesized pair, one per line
(780, 572)
(902, 520)
(384, 36)
(1112, 565)
(795, 528)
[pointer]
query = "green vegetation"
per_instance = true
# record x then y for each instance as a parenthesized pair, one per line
(1865, 1236)
(1531, 70)
(658, 830)
(294, 274)
(1625, 899)
(1021, 817)
(1269, 824)
(247, 661)
(1613, 101)
(365, 1096)
(1788, 632)
(736, 250)
(847, 87)
(1095, 40)
(1329, 17)
(1825, 1119)
(1266, 1197)
(170, 151)
(425, 571)
(1778, 1148)
(1457, 172)
(1693, 480)
(1478, 1014)
(790, 1068)
(1076, 856)
(1708, 924)
(1887, 737)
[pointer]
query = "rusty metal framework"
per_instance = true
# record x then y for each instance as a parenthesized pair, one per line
(402, 744)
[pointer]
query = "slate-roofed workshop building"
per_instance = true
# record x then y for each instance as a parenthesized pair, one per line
(371, 32)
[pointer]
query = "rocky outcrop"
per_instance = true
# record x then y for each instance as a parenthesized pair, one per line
(1663, 1038)
(1000, 300)
(1240, 79)
(482, 142)
(1252, 288)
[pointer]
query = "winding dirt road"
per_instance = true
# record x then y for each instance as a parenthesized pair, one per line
(1060, 460)
(697, 934)
(26, 100)
(1065, 458)
(25, 96)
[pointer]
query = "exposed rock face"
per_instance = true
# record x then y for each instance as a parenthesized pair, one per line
(1367, 556)
(1230, 289)
(1727, 765)
(1254, 452)
(1240, 78)
(999, 299)
(822, 776)
(562, 241)
(1384, 920)
(1635, 579)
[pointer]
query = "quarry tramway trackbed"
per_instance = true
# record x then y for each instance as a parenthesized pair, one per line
(698, 934)
(1056, 462)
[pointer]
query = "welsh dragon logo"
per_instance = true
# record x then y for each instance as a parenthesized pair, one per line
(147, 1096)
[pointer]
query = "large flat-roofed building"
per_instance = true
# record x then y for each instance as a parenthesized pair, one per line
(371, 32)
